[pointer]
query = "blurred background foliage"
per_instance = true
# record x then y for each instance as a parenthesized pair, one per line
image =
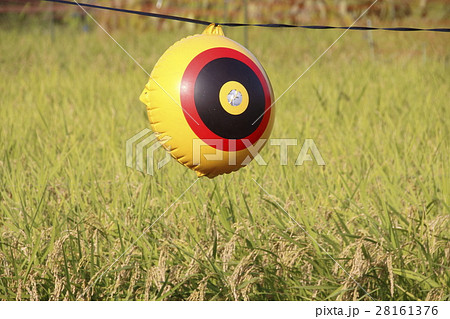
(342, 12)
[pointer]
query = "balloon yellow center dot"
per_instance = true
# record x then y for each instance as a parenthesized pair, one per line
(233, 97)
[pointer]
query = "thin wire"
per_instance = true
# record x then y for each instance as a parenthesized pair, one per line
(315, 61)
(134, 242)
(263, 25)
(79, 4)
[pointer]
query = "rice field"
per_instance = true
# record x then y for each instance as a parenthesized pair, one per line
(77, 224)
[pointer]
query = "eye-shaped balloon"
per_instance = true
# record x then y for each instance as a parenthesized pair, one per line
(210, 102)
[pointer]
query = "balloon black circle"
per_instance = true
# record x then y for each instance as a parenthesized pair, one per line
(210, 80)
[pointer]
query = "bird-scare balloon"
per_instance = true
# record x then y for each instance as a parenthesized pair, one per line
(209, 101)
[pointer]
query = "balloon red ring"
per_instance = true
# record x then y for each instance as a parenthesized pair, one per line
(188, 102)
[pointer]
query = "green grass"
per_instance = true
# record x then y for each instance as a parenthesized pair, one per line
(69, 207)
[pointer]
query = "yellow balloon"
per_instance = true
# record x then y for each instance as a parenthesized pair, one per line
(209, 101)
